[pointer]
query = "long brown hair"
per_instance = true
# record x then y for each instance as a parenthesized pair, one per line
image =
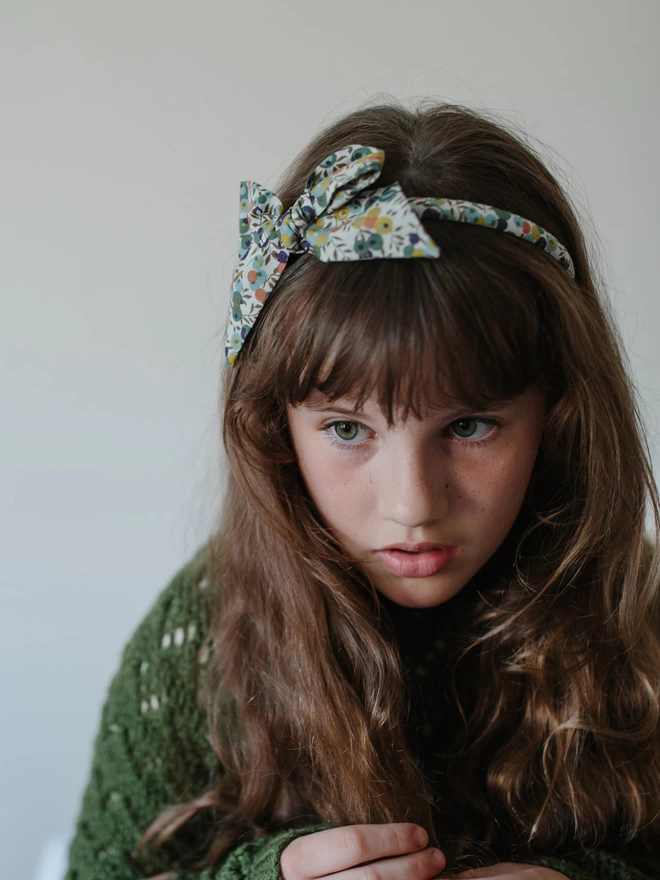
(555, 662)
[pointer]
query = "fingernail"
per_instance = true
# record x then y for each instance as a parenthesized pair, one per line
(438, 858)
(421, 837)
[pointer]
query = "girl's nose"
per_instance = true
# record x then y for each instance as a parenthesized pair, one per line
(414, 488)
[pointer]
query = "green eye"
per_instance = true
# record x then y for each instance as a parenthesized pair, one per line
(465, 430)
(461, 422)
(339, 427)
(343, 434)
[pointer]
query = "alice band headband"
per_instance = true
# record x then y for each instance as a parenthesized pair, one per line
(336, 221)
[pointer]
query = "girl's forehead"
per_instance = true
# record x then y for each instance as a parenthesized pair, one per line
(438, 404)
(432, 389)
(319, 399)
(426, 387)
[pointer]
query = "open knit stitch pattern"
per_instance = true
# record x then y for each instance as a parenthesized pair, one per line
(150, 751)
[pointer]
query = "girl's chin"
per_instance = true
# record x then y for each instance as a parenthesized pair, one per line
(411, 593)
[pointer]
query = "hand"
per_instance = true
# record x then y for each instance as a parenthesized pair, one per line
(511, 870)
(390, 849)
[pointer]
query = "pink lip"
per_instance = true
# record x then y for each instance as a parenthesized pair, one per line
(422, 563)
(417, 548)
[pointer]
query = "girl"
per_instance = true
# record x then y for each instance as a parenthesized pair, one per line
(425, 637)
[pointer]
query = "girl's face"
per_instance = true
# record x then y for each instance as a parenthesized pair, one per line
(455, 478)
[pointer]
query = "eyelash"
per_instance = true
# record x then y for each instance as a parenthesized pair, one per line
(338, 444)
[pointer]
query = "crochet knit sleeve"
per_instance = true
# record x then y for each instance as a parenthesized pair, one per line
(596, 865)
(150, 751)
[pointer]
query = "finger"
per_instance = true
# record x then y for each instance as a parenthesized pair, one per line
(338, 849)
(426, 864)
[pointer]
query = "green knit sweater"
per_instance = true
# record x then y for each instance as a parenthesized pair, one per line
(150, 751)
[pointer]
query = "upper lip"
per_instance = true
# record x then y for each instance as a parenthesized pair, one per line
(417, 548)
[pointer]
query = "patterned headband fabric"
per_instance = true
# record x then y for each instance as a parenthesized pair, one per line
(339, 217)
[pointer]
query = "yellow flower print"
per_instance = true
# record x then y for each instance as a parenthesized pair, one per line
(358, 223)
(372, 217)
(232, 358)
(536, 232)
(384, 224)
(342, 213)
(320, 238)
(287, 240)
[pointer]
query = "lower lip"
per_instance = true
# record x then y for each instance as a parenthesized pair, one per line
(416, 565)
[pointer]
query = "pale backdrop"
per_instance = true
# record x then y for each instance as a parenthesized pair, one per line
(125, 128)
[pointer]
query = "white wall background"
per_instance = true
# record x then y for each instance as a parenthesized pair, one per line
(125, 128)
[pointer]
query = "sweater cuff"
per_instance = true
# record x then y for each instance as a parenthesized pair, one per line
(593, 865)
(266, 861)
(566, 867)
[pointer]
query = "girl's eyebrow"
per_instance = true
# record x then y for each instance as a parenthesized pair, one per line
(494, 406)
(326, 407)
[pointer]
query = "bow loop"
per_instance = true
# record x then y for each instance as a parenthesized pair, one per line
(340, 216)
(334, 182)
(258, 216)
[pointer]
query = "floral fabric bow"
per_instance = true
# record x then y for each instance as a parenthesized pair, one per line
(338, 217)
